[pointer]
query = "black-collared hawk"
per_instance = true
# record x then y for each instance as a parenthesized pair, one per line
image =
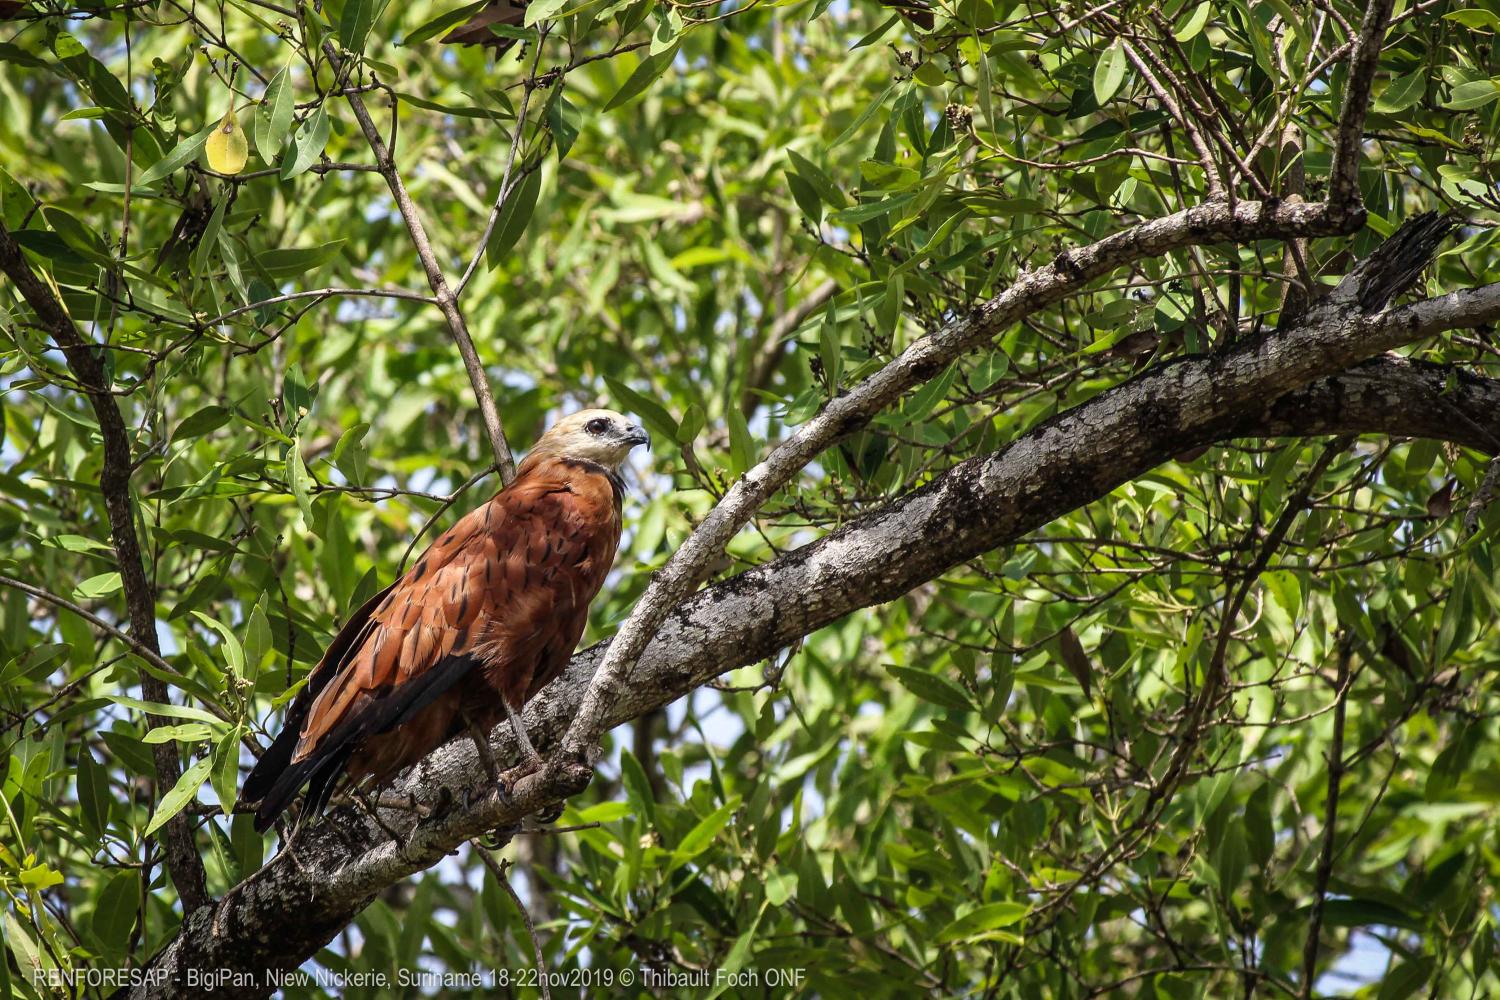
(486, 617)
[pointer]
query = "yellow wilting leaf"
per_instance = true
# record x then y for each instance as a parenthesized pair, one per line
(227, 148)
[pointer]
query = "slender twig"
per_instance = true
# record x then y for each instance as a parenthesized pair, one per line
(498, 870)
(1330, 825)
(142, 650)
(323, 293)
(1210, 165)
(442, 294)
(447, 502)
(770, 350)
(502, 195)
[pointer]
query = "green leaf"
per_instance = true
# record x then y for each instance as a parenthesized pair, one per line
(307, 145)
(181, 794)
(1402, 93)
(259, 646)
(203, 421)
(1407, 979)
(350, 456)
(40, 877)
(273, 117)
(233, 654)
(1192, 24)
(440, 24)
(726, 975)
(703, 833)
(831, 350)
(292, 262)
(1475, 17)
(355, 22)
(637, 785)
(818, 179)
(187, 732)
(94, 796)
(210, 237)
(115, 912)
(1473, 96)
(924, 399)
(780, 887)
(806, 198)
(871, 210)
(645, 74)
(515, 214)
(863, 117)
(741, 448)
(35, 662)
(1358, 912)
(225, 771)
(168, 711)
(693, 419)
(562, 121)
(652, 413)
(180, 156)
(983, 922)
(299, 481)
(1109, 73)
(932, 688)
(540, 10)
(97, 586)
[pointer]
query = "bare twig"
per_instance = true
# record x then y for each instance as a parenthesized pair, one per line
(769, 350)
(138, 647)
(1330, 825)
(503, 193)
(322, 293)
(442, 294)
(497, 869)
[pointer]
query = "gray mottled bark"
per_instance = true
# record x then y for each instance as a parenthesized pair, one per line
(1326, 375)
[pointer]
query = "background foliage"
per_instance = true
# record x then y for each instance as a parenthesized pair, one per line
(719, 215)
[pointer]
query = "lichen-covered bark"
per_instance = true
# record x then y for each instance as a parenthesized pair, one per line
(1324, 376)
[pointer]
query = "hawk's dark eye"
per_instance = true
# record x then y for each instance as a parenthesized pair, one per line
(597, 426)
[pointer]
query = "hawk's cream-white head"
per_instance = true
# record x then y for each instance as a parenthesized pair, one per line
(603, 437)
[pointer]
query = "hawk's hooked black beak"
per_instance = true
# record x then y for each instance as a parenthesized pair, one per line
(637, 435)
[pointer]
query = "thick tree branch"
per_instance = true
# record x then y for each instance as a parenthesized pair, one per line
(284, 915)
(86, 362)
(925, 358)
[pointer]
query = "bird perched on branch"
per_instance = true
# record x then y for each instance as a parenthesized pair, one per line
(486, 617)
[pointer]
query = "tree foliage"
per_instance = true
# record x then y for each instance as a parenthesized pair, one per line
(1226, 730)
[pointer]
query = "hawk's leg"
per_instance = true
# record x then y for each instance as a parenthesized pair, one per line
(528, 752)
(482, 747)
(531, 761)
(500, 837)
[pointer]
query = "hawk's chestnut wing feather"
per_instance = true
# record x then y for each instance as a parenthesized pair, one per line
(505, 590)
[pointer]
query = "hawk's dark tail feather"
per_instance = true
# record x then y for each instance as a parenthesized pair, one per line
(272, 764)
(276, 780)
(274, 802)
